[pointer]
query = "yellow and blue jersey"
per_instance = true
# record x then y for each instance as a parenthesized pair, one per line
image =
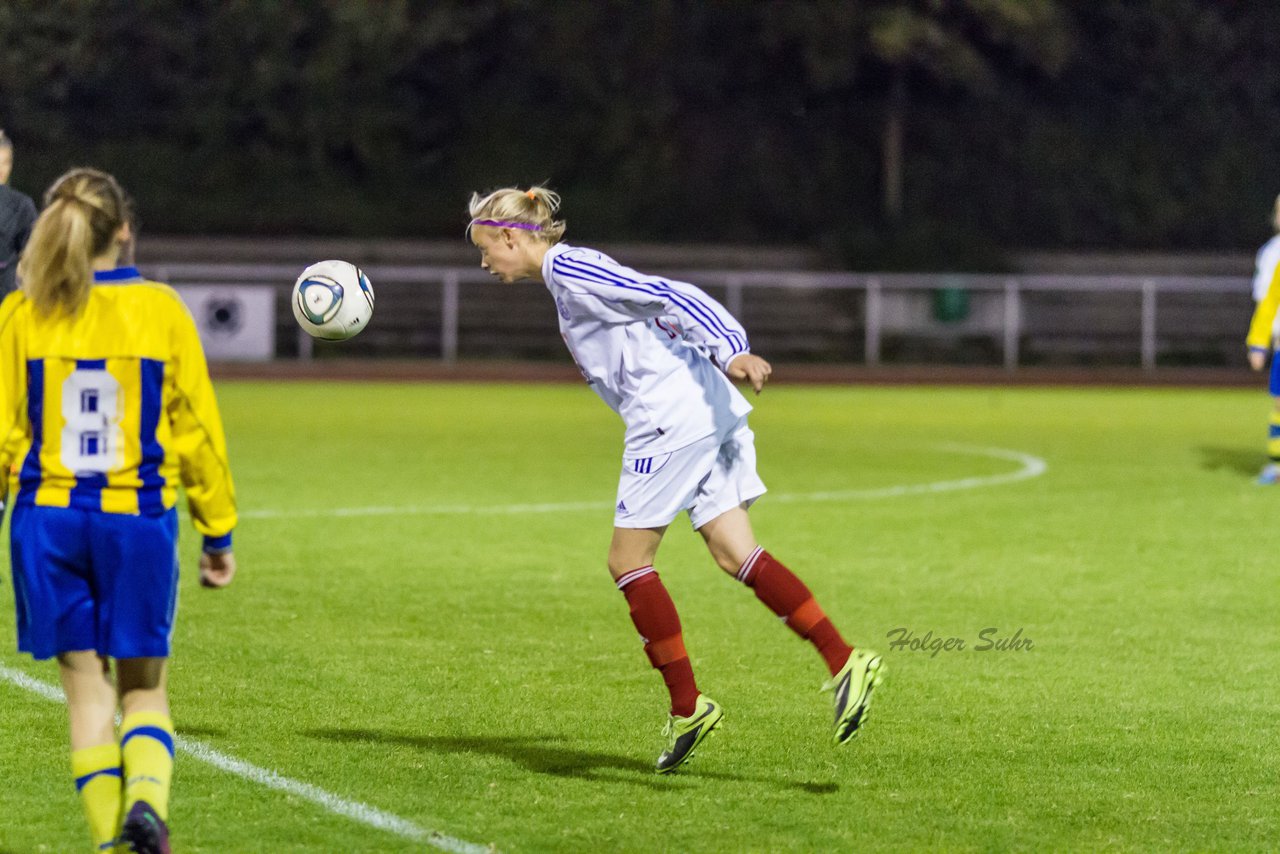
(1264, 314)
(111, 409)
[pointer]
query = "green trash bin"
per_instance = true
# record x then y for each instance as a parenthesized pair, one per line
(951, 304)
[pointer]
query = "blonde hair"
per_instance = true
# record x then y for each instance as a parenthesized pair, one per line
(84, 209)
(532, 210)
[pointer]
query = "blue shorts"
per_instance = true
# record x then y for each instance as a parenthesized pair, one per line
(1275, 374)
(83, 579)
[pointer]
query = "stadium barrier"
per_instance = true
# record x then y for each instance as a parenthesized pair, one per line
(447, 313)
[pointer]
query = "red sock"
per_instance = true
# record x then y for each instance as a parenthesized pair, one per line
(786, 595)
(656, 620)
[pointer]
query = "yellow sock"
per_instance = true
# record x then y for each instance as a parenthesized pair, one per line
(97, 773)
(1273, 437)
(146, 743)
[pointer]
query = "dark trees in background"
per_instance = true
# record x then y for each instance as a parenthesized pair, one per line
(911, 133)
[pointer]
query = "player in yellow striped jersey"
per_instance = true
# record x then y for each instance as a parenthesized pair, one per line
(1262, 336)
(105, 406)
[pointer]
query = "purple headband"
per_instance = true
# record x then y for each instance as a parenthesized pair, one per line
(502, 223)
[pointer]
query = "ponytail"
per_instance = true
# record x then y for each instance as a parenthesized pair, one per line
(84, 209)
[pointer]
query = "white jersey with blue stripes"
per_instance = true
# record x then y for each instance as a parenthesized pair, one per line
(653, 349)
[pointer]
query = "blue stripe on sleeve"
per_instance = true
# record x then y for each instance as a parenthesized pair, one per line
(713, 319)
(591, 273)
(217, 545)
(150, 495)
(710, 318)
(30, 476)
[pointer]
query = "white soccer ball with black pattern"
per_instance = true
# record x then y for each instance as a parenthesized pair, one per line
(332, 300)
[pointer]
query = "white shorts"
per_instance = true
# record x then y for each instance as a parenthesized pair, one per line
(707, 478)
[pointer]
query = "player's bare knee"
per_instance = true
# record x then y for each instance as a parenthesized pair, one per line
(622, 562)
(84, 663)
(140, 674)
(616, 569)
(724, 560)
(633, 548)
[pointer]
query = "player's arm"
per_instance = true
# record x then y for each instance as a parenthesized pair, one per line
(701, 317)
(201, 447)
(1260, 328)
(750, 368)
(14, 429)
(217, 570)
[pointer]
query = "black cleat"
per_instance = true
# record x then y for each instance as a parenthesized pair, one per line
(144, 832)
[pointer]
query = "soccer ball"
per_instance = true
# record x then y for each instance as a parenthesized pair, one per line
(332, 300)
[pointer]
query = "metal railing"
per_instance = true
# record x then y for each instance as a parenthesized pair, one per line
(876, 288)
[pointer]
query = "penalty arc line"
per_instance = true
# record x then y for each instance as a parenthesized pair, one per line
(354, 810)
(1028, 467)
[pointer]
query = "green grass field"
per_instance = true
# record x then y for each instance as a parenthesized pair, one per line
(457, 657)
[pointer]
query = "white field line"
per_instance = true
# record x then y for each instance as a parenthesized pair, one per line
(354, 810)
(1028, 467)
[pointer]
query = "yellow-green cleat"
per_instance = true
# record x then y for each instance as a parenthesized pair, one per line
(861, 674)
(685, 734)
